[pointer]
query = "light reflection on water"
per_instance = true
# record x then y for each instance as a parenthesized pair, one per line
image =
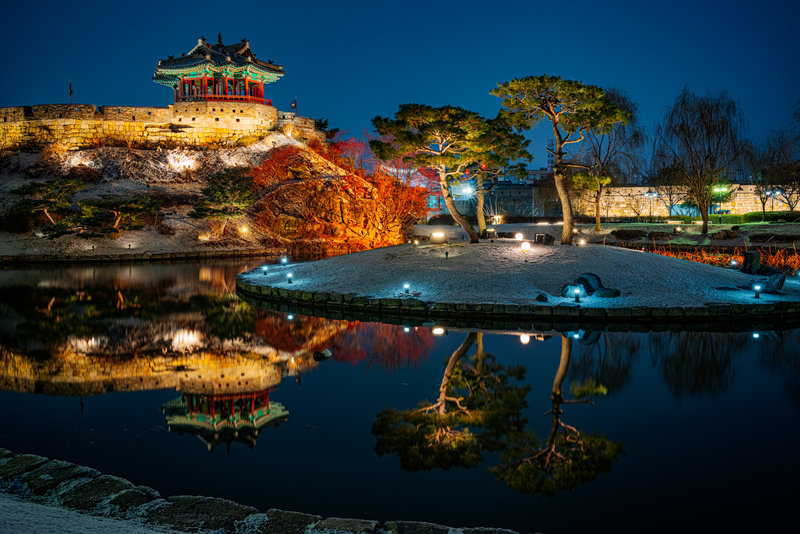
(117, 367)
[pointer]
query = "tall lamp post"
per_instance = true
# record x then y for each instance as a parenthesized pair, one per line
(650, 194)
(719, 190)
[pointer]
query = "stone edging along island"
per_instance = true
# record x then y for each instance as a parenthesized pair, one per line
(563, 316)
(61, 484)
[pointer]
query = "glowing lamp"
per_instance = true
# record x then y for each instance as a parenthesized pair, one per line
(416, 242)
(289, 277)
(284, 260)
(264, 269)
(756, 335)
(734, 263)
(582, 242)
(243, 229)
(757, 289)
(525, 246)
(438, 331)
(406, 329)
(518, 236)
(437, 235)
(577, 292)
(524, 339)
(576, 335)
(290, 317)
(678, 229)
(406, 287)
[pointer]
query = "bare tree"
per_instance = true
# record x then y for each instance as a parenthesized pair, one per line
(701, 137)
(610, 152)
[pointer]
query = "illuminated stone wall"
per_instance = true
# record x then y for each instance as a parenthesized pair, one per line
(189, 124)
(626, 201)
(82, 374)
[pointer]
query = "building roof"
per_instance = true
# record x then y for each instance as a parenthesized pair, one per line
(235, 60)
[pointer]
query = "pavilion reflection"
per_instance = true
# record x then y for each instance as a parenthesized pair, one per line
(224, 418)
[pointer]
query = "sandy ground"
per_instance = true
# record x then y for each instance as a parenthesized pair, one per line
(501, 272)
(24, 517)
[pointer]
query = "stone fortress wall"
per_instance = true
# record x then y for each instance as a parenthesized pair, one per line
(627, 201)
(189, 124)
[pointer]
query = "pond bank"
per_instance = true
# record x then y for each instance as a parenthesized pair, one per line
(39, 491)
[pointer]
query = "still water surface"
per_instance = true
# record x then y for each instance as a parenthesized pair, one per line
(159, 374)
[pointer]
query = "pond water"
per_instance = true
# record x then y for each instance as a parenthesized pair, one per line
(159, 374)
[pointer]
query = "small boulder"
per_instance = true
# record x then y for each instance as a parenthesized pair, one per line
(752, 262)
(719, 235)
(732, 234)
(541, 297)
(773, 284)
(590, 282)
(607, 293)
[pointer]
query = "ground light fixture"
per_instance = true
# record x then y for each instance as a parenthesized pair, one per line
(290, 317)
(525, 246)
(757, 289)
(406, 287)
(577, 294)
(284, 260)
(406, 329)
(437, 235)
(518, 236)
(289, 277)
(734, 263)
(524, 339)
(264, 269)
(582, 242)
(438, 331)
(576, 335)
(756, 335)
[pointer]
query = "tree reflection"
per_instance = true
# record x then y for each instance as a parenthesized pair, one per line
(476, 405)
(780, 355)
(567, 458)
(606, 359)
(695, 363)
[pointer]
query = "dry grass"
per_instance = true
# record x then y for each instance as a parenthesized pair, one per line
(784, 259)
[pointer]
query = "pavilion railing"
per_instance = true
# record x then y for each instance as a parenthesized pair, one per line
(222, 98)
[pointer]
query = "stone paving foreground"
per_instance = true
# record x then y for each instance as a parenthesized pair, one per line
(43, 495)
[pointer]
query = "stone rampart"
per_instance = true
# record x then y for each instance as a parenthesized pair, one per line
(632, 202)
(189, 124)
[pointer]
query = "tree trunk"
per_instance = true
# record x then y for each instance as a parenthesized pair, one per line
(598, 196)
(48, 216)
(479, 207)
(224, 224)
(566, 208)
(704, 216)
(448, 372)
(451, 207)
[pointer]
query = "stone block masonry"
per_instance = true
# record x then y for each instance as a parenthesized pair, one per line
(30, 481)
(189, 124)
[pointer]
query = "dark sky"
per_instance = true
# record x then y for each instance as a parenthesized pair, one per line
(349, 61)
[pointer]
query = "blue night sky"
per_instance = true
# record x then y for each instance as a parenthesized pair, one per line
(350, 61)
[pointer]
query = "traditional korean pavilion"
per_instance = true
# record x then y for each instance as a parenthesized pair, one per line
(223, 418)
(218, 72)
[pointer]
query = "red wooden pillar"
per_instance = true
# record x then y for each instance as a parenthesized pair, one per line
(246, 89)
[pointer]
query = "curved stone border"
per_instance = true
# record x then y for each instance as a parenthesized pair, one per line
(413, 310)
(63, 484)
(273, 253)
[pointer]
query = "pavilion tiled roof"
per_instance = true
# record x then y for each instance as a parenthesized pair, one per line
(217, 57)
